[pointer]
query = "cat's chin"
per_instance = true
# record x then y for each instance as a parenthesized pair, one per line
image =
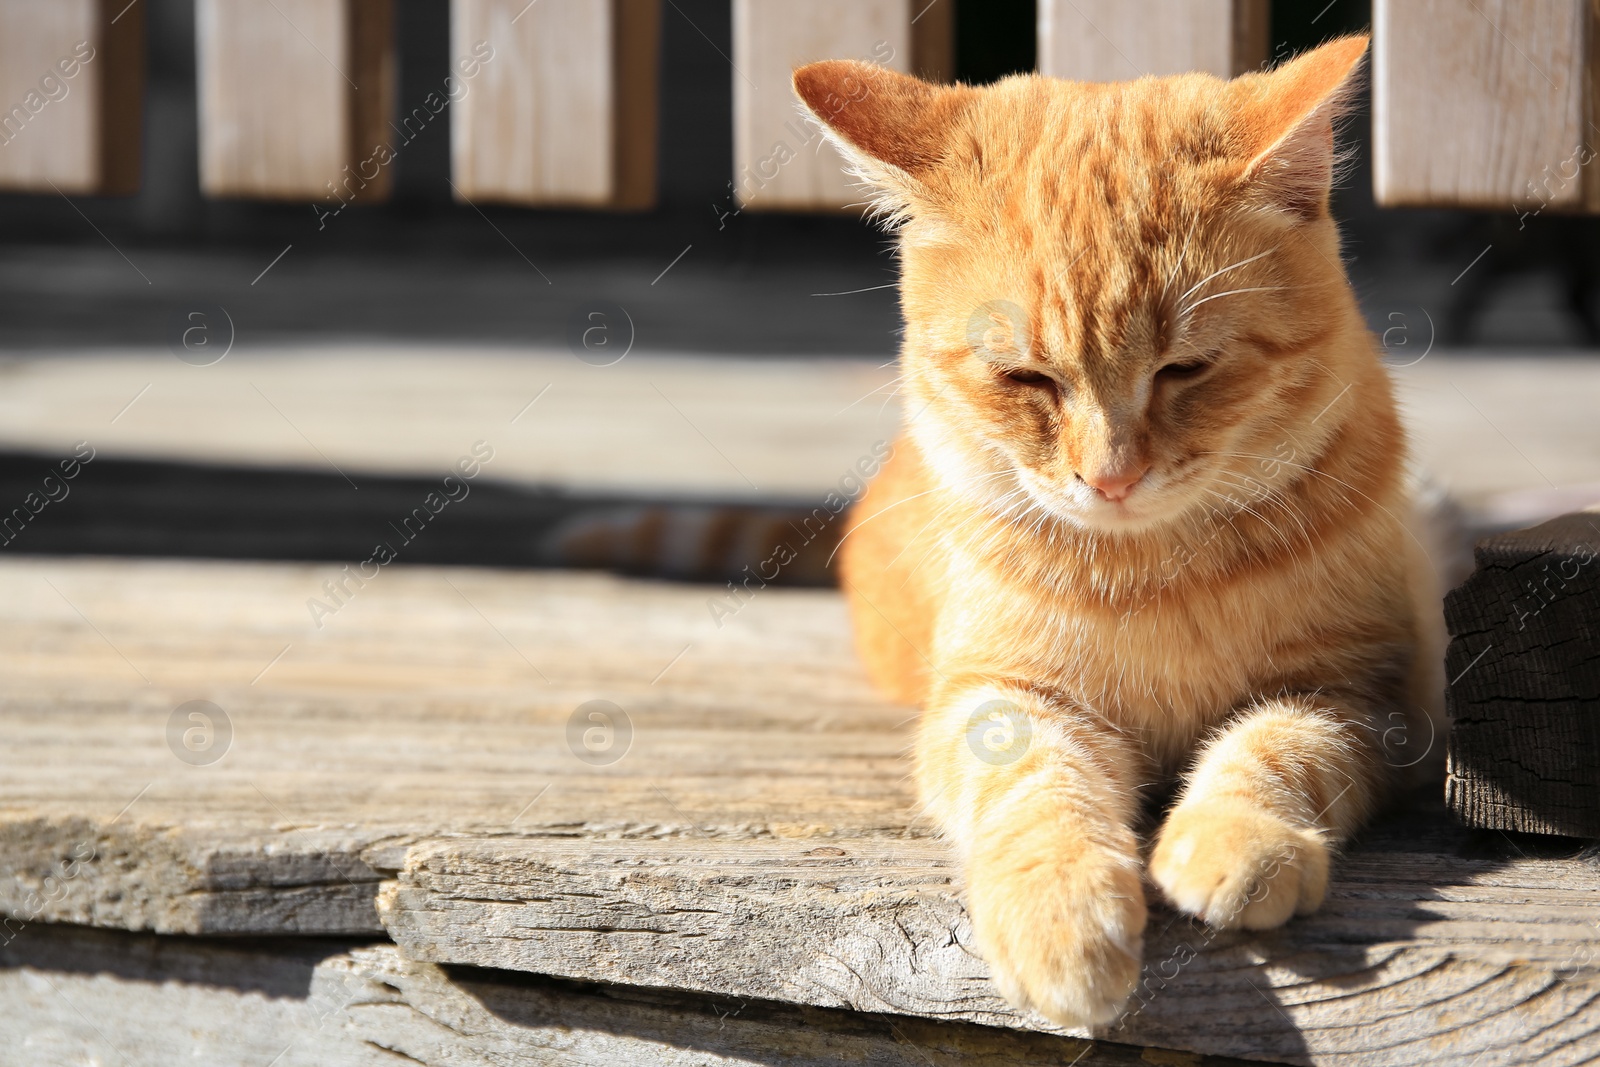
(1140, 513)
(1117, 518)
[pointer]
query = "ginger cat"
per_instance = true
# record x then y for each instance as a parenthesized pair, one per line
(1148, 520)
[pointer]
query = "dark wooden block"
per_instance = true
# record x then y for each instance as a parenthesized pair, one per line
(1524, 681)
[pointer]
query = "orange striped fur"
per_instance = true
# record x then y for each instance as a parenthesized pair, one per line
(1148, 524)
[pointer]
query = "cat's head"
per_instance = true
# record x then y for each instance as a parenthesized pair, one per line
(1124, 302)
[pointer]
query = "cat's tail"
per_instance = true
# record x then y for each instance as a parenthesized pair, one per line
(745, 544)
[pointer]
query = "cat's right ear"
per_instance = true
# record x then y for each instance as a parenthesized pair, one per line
(893, 128)
(1287, 118)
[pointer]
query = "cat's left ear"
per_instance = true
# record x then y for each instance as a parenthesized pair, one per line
(1287, 119)
(893, 128)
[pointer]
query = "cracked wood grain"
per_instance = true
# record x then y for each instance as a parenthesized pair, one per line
(78, 995)
(1524, 701)
(474, 1018)
(1431, 942)
(755, 841)
(414, 712)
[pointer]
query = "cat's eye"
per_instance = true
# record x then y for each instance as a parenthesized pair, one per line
(1028, 377)
(1182, 371)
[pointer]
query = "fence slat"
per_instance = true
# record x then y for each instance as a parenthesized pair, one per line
(1115, 40)
(295, 98)
(71, 90)
(1479, 104)
(564, 112)
(777, 161)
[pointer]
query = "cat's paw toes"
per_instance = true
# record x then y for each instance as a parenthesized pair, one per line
(1063, 934)
(1235, 865)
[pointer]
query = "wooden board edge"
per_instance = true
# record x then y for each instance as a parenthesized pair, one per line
(1589, 201)
(635, 71)
(372, 63)
(1383, 192)
(536, 1018)
(355, 1003)
(933, 39)
(901, 953)
(1252, 21)
(121, 104)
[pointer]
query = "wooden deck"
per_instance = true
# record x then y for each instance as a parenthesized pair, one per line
(413, 771)
(1483, 423)
(401, 831)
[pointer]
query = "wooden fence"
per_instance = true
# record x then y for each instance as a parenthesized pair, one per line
(1482, 103)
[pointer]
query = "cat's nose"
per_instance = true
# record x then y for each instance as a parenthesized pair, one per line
(1114, 483)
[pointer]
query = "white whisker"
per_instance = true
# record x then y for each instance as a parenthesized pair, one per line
(1272, 496)
(1337, 481)
(1248, 510)
(1019, 493)
(1186, 312)
(906, 500)
(874, 391)
(936, 516)
(1268, 499)
(1216, 273)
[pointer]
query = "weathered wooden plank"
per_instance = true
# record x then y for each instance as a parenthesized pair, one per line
(648, 425)
(71, 96)
(428, 701)
(779, 160)
(933, 40)
(1420, 946)
(80, 996)
(463, 1016)
(793, 427)
(1524, 698)
(563, 109)
(636, 57)
(375, 74)
(1115, 40)
(1480, 104)
(295, 98)
(1545, 408)
(752, 837)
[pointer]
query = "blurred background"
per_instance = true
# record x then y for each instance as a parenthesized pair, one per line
(584, 252)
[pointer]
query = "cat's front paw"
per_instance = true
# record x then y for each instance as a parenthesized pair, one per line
(1061, 927)
(1235, 864)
